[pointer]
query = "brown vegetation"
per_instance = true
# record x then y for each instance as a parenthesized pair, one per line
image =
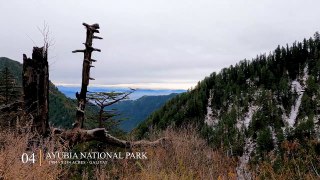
(298, 162)
(187, 156)
(14, 144)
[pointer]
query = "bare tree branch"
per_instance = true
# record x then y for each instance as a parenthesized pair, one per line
(45, 32)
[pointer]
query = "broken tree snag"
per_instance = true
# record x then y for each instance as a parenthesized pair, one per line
(78, 135)
(87, 64)
(36, 88)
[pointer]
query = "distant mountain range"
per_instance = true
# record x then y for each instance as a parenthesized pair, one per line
(70, 91)
(142, 103)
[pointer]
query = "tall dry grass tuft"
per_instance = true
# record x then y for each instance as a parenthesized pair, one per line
(13, 144)
(299, 161)
(186, 157)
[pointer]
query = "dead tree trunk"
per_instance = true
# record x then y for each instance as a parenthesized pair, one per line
(36, 89)
(87, 64)
(77, 134)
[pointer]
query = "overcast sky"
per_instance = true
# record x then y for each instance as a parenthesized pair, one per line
(154, 43)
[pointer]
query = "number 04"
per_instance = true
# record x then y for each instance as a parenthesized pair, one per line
(25, 158)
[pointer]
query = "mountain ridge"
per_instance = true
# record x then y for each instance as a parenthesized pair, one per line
(254, 107)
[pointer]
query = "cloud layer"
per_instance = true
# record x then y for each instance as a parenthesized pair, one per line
(171, 44)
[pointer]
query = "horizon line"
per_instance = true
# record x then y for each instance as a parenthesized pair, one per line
(152, 86)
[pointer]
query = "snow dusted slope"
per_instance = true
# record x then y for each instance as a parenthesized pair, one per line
(248, 117)
(244, 119)
(296, 87)
(209, 116)
(242, 168)
(249, 146)
(210, 120)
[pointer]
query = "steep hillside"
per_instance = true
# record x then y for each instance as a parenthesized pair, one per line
(252, 108)
(61, 108)
(14, 66)
(133, 112)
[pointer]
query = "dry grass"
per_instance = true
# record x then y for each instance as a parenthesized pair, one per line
(189, 157)
(13, 145)
(186, 157)
(298, 162)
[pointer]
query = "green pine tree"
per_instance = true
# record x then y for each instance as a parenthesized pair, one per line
(9, 90)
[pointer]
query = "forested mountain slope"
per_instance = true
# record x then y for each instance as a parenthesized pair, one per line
(251, 108)
(14, 66)
(133, 112)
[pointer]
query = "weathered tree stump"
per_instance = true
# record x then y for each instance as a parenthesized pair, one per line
(36, 89)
